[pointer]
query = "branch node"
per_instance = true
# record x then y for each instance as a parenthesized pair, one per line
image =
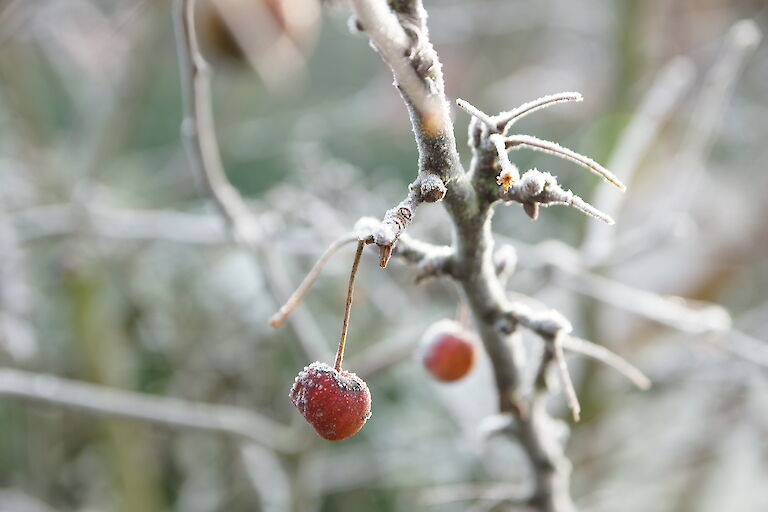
(431, 187)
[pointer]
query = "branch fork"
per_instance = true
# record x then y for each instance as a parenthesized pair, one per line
(428, 188)
(488, 135)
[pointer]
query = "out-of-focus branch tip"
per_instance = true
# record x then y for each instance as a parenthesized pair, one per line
(565, 377)
(602, 354)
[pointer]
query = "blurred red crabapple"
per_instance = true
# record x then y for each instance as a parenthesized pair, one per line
(448, 350)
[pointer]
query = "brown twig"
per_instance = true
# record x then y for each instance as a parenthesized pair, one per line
(295, 299)
(348, 305)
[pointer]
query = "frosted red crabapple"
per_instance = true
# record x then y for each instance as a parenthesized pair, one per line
(448, 350)
(336, 403)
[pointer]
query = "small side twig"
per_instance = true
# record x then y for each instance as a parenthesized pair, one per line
(476, 112)
(602, 354)
(515, 142)
(430, 260)
(541, 188)
(565, 376)
(502, 121)
(545, 324)
(505, 120)
(295, 299)
(509, 173)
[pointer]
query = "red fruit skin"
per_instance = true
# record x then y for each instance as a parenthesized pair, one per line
(449, 355)
(336, 404)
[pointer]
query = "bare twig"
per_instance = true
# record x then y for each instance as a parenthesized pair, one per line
(546, 324)
(430, 260)
(173, 412)
(295, 299)
(123, 224)
(16, 333)
(504, 120)
(267, 476)
(565, 376)
(395, 221)
(676, 312)
(745, 346)
(476, 112)
(501, 122)
(608, 357)
(391, 350)
(541, 188)
(707, 113)
(545, 146)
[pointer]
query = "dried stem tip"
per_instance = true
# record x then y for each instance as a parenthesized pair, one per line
(295, 299)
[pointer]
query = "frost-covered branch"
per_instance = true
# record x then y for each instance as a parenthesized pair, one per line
(505, 120)
(602, 354)
(469, 200)
(526, 141)
(398, 31)
(541, 188)
(172, 412)
(430, 260)
(546, 324)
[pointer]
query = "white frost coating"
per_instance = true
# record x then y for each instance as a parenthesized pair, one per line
(476, 112)
(534, 181)
(553, 148)
(392, 43)
(507, 119)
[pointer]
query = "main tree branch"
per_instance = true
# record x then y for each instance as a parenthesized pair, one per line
(398, 31)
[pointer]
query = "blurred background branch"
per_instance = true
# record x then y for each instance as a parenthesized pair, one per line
(120, 286)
